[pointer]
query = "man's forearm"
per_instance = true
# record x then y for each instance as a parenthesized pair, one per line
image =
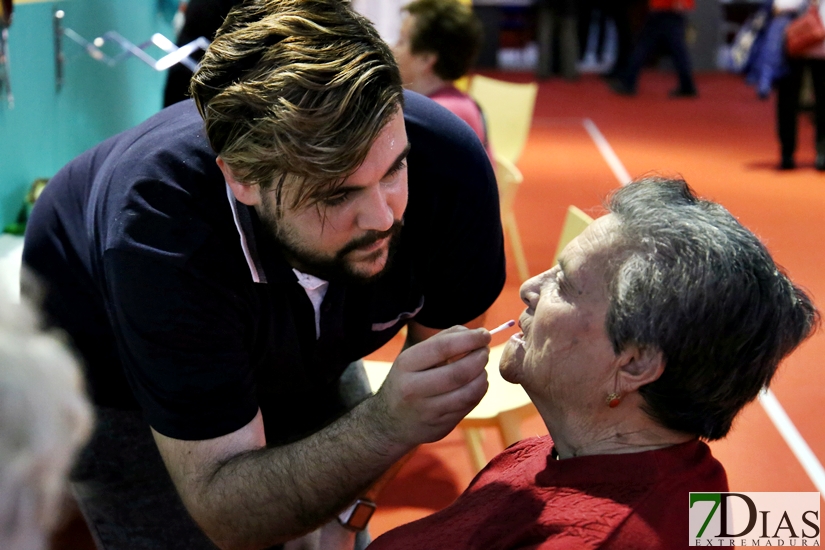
(263, 497)
(247, 496)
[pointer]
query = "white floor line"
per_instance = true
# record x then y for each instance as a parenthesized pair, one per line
(799, 447)
(607, 152)
(793, 438)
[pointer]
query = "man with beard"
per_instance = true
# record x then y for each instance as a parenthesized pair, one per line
(218, 274)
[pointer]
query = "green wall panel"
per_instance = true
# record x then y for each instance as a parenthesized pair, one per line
(47, 128)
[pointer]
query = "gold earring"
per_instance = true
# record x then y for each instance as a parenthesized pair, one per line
(613, 400)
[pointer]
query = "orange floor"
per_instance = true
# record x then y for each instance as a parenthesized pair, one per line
(724, 145)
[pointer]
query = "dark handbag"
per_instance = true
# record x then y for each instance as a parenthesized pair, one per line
(805, 31)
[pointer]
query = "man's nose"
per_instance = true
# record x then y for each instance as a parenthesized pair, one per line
(376, 211)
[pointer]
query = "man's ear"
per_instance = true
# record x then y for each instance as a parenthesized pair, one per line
(249, 195)
(637, 367)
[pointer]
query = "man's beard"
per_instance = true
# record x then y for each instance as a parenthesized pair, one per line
(335, 267)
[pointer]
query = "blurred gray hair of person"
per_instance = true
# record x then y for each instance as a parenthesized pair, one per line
(45, 416)
(692, 282)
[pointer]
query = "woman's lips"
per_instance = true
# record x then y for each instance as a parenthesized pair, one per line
(518, 339)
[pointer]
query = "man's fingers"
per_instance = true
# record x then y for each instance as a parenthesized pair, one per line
(446, 378)
(427, 401)
(450, 408)
(454, 328)
(442, 348)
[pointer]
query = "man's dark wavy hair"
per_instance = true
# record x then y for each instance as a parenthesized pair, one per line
(293, 93)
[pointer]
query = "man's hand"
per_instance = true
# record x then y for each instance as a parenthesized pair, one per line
(434, 384)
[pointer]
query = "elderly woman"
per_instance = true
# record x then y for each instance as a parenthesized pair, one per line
(658, 325)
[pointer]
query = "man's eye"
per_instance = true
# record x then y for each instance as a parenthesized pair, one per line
(335, 200)
(396, 169)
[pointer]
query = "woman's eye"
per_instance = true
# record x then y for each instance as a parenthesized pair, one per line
(561, 284)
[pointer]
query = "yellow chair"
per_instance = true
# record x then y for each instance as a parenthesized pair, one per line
(575, 222)
(503, 407)
(508, 177)
(508, 112)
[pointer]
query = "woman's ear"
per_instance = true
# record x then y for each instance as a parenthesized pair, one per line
(249, 195)
(638, 366)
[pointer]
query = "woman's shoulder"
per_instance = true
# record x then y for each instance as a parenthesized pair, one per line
(527, 454)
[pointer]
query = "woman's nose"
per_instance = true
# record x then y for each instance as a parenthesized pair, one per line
(529, 291)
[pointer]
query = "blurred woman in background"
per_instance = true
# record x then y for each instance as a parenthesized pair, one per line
(438, 44)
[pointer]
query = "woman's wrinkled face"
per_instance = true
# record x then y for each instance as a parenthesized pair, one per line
(563, 355)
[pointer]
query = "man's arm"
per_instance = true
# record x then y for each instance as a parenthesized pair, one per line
(244, 495)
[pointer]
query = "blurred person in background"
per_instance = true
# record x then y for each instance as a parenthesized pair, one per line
(665, 24)
(200, 18)
(438, 44)
(558, 38)
(45, 417)
(619, 12)
(788, 90)
(657, 326)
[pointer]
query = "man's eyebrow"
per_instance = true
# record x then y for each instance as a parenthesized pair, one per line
(394, 167)
(399, 160)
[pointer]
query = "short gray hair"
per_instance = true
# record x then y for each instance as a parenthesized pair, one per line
(692, 282)
(44, 417)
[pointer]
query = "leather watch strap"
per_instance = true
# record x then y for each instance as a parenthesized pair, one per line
(358, 514)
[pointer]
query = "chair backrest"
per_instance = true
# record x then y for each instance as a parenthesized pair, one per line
(575, 222)
(508, 177)
(508, 112)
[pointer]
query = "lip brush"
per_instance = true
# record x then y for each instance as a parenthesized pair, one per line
(504, 326)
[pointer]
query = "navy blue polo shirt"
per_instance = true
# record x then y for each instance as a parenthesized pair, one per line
(181, 305)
